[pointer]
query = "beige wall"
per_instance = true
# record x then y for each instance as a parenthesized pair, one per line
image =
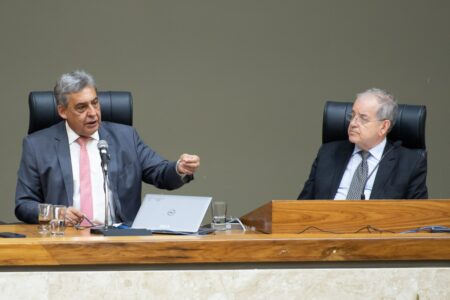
(241, 83)
(282, 282)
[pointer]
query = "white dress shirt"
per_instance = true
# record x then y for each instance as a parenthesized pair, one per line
(98, 194)
(375, 155)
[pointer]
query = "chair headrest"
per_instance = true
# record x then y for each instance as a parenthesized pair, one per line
(115, 107)
(409, 126)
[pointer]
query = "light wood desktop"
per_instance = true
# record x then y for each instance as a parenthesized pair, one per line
(285, 218)
(237, 265)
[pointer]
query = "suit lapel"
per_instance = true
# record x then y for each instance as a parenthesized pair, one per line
(384, 172)
(342, 157)
(63, 154)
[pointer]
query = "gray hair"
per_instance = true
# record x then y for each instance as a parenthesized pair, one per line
(388, 105)
(72, 82)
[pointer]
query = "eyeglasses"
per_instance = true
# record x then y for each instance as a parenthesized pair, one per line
(78, 226)
(362, 120)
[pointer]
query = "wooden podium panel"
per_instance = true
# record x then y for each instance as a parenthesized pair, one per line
(270, 265)
(348, 216)
(80, 248)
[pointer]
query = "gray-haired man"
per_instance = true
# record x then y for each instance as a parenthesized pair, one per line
(342, 169)
(52, 160)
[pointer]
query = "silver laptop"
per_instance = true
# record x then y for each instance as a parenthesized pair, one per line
(171, 213)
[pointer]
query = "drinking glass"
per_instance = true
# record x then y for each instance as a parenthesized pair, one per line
(58, 223)
(219, 210)
(45, 216)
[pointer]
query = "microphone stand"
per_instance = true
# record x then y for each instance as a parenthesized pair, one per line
(106, 190)
(103, 229)
(107, 230)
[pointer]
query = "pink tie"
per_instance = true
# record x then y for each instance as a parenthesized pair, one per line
(85, 180)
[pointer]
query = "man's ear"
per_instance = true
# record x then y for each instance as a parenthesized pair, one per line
(385, 127)
(62, 111)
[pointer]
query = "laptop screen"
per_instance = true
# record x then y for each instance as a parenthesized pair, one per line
(171, 213)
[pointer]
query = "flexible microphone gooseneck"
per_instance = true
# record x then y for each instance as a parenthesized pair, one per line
(103, 148)
(394, 146)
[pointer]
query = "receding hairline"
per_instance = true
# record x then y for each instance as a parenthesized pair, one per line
(379, 94)
(365, 97)
(387, 106)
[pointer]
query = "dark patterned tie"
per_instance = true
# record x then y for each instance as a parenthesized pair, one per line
(359, 178)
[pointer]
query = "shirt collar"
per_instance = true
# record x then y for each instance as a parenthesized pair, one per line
(376, 152)
(73, 136)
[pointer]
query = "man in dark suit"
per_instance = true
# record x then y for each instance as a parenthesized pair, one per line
(338, 171)
(50, 167)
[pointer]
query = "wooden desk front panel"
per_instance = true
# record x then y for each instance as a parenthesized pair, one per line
(80, 248)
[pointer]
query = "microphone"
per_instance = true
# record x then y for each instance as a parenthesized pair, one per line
(394, 146)
(103, 148)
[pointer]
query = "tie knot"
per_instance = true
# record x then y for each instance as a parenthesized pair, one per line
(364, 155)
(82, 140)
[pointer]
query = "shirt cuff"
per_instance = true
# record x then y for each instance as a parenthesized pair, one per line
(176, 170)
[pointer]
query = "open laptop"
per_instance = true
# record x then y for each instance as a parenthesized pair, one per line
(172, 213)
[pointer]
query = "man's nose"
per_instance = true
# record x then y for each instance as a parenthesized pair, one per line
(354, 121)
(91, 110)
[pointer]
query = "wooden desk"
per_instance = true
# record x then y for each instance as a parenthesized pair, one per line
(78, 247)
(225, 266)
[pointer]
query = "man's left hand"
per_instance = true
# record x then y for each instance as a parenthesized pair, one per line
(188, 164)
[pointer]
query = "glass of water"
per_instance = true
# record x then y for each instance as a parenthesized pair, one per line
(219, 210)
(44, 217)
(58, 223)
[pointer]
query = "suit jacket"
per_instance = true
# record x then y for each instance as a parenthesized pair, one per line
(45, 172)
(401, 174)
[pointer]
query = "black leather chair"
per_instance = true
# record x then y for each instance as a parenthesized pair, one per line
(409, 126)
(115, 107)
